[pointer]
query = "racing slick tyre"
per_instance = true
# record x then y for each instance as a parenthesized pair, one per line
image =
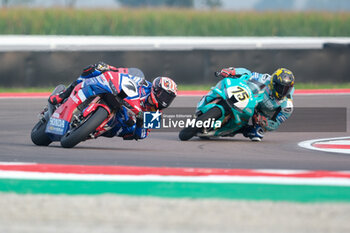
(188, 133)
(38, 135)
(76, 135)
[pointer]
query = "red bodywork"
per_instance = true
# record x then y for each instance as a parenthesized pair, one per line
(65, 111)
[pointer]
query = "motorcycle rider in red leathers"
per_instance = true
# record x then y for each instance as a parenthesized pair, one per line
(154, 96)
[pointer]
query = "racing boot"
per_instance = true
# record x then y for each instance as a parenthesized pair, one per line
(58, 98)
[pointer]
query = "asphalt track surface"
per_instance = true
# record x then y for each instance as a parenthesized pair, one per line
(278, 150)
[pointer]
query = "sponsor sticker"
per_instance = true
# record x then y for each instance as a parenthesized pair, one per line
(56, 126)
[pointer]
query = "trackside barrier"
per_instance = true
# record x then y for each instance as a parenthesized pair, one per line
(46, 61)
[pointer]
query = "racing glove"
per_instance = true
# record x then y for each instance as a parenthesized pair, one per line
(226, 72)
(96, 69)
(260, 120)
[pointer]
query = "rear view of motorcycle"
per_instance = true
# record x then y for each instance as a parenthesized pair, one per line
(89, 111)
(231, 103)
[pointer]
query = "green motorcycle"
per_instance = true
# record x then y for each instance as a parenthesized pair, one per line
(226, 108)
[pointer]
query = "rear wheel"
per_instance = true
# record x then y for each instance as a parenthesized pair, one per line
(38, 135)
(76, 135)
(188, 133)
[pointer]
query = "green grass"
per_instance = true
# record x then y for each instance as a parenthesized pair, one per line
(171, 22)
(189, 87)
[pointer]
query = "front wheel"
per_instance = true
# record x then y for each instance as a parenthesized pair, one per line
(38, 135)
(187, 133)
(76, 135)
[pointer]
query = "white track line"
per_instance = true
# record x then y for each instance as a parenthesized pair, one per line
(157, 178)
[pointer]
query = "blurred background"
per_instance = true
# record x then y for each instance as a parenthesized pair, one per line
(235, 5)
(49, 42)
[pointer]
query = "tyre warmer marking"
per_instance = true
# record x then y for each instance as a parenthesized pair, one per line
(278, 185)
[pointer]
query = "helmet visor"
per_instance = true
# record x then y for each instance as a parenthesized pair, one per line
(164, 98)
(282, 90)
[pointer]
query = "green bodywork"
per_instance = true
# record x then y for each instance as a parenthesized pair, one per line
(241, 94)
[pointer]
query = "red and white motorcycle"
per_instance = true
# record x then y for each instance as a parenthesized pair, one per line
(89, 111)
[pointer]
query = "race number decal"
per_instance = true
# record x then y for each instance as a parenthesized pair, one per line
(129, 86)
(239, 96)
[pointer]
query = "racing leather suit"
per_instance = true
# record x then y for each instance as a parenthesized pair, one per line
(276, 111)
